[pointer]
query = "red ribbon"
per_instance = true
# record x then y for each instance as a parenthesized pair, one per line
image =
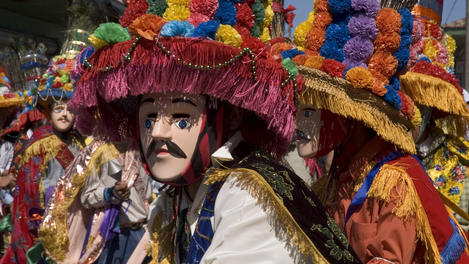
(288, 12)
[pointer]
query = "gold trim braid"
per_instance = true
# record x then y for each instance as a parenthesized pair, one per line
(255, 184)
(323, 91)
(53, 232)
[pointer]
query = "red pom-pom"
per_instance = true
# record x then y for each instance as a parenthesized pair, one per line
(426, 67)
(134, 9)
(407, 105)
(196, 18)
(207, 8)
(333, 68)
(255, 44)
(277, 40)
(244, 16)
(436, 32)
(244, 32)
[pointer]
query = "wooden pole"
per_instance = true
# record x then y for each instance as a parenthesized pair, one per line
(278, 24)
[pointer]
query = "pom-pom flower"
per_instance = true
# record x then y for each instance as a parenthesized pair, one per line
(358, 49)
(177, 10)
(291, 53)
(321, 6)
(228, 35)
(156, 7)
(244, 16)
(384, 63)
(388, 20)
(369, 7)
(417, 31)
(363, 26)
(226, 13)
(134, 10)
(177, 28)
(206, 29)
(387, 42)
(333, 68)
(300, 59)
(108, 33)
(360, 77)
(339, 7)
(337, 33)
(315, 38)
(299, 37)
(322, 20)
(393, 98)
(147, 26)
(331, 50)
(207, 8)
(314, 62)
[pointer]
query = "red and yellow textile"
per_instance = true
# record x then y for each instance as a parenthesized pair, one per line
(43, 146)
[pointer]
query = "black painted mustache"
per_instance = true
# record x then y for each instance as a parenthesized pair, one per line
(302, 135)
(173, 148)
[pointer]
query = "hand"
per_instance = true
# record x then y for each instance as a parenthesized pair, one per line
(121, 190)
(6, 179)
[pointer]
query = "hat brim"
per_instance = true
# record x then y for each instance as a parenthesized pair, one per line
(323, 91)
(436, 93)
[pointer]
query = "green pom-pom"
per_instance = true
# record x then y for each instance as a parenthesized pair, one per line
(290, 66)
(111, 33)
(157, 7)
(256, 31)
(259, 12)
(65, 78)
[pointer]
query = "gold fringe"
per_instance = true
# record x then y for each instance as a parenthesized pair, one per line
(452, 125)
(434, 92)
(156, 234)
(11, 102)
(408, 204)
(54, 235)
(323, 91)
(254, 183)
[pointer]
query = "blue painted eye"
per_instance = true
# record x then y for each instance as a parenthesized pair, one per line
(183, 124)
(307, 113)
(148, 123)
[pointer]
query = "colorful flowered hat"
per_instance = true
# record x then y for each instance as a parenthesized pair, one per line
(354, 51)
(430, 81)
(218, 48)
(58, 83)
(7, 98)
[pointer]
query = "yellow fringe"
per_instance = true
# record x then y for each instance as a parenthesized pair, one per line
(54, 234)
(157, 232)
(323, 91)
(255, 184)
(434, 92)
(453, 125)
(408, 204)
(11, 102)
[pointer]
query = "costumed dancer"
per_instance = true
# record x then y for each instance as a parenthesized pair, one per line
(45, 157)
(377, 192)
(440, 139)
(215, 110)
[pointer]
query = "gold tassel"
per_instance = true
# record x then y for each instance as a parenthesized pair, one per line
(157, 232)
(53, 233)
(255, 184)
(452, 125)
(434, 92)
(336, 95)
(408, 204)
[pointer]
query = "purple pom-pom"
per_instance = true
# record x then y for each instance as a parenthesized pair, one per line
(363, 26)
(369, 7)
(358, 49)
(351, 64)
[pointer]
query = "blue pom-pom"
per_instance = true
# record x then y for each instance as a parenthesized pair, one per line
(394, 83)
(330, 50)
(292, 53)
(177, 28)
(406, 40)
(407, 22)
(338, 34)
(402, 56)
(226, 13)
(206, 29)
(339, 7)
(392, 98)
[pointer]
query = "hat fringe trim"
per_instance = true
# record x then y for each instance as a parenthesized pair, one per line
(153, 71)
(434, 92)
(284, 224)
(330, 95)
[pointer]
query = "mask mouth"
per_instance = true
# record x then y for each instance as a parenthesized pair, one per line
(172, 147)
(301, 135)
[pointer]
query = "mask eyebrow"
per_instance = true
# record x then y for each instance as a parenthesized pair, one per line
(183, 100)
(148, 100)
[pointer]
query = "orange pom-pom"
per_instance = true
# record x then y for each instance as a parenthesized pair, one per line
(322, 20)
(278, 48)
(388, 20)
(311, 52)
(384, 63)
(360, 77)
(378, 87)
(300, 59)
(314, 62)
(321, 6)
(147, 26)
(387, 42)
(314, 39)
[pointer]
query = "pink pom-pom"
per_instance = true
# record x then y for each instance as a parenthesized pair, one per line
(417, 31)
(204, 7)
(196, 18)
(412, 57)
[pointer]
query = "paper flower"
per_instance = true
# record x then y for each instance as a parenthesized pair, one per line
(360, 77)
(147, 26)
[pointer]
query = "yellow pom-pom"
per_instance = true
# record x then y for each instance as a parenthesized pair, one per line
(265, 36)
(68, 87)
(178, 3)
(228, 35)
(269, 16)
(177, 12)
(301, 31)
(450, 44)
(360, 77)
(430, 50)
(96, 42)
